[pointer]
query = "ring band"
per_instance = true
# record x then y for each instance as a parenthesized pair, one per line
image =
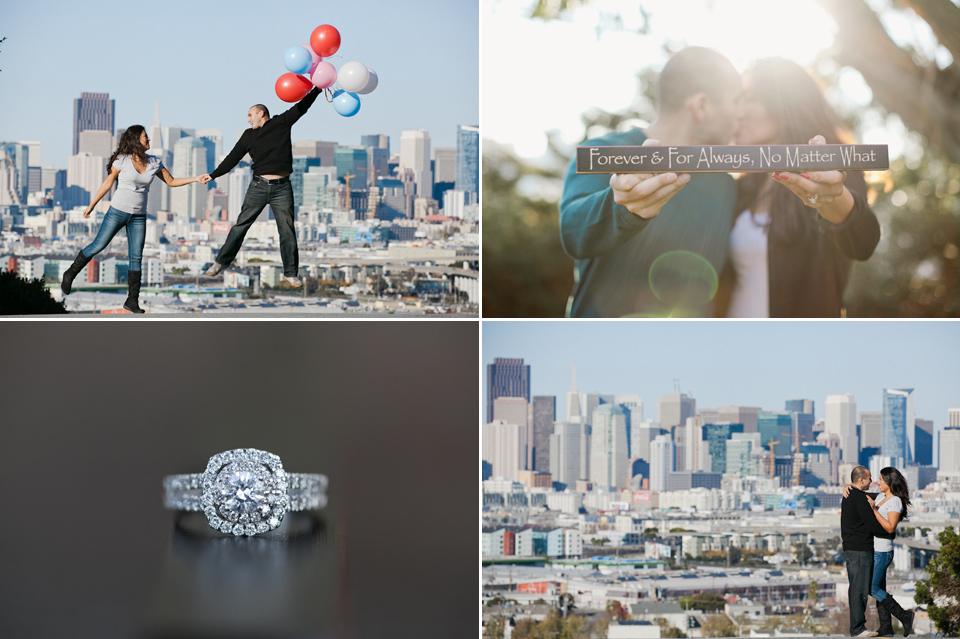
(245, 492)
(813, 200)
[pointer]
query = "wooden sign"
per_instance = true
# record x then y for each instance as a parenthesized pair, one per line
(731, 159)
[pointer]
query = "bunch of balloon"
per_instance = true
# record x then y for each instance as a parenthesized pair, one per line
(307, 69)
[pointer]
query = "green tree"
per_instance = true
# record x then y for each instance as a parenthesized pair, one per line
(813, 592)
(650, 533)
(616, 611)
(940, 592)
(718, 626)
(20, 296)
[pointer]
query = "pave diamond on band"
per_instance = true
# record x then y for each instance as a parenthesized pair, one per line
(245, 492)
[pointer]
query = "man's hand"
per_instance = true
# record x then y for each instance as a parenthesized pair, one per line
(644, 194)
(205, 178)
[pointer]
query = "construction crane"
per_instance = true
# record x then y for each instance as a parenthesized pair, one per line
(347, 177)
(373, 183)
(773, 458)
(796, 441)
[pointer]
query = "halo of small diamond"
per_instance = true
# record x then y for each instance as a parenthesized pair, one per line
(261, 479)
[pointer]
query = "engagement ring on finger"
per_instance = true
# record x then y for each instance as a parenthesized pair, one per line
(244, 492)
(813, 200)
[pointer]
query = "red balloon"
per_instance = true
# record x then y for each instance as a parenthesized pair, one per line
(292, 87)
(325, 40)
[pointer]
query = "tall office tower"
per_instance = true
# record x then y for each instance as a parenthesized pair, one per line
(506, 377)
(320, 188)
(349, 160)
(91, 111)
(87, 172)
(189, 158)
(444, 165)
(573, 399)
(950, 449)
(799, 406)
(544, 415)
(158, 197)
(214, 136)
(468, 161)
(33, 152)
(505, 448)
(515, 410)
(674, 408)
(953, 418)
(173, 134)
(239, 180)
(376, 141)
(746, 415)
(301, 164)
(590, 402)
(48, 177)
(772, 426)
(415, 155)
(633, 404)
(898, 440)
(840, 413)
(608, 447)
(14, 166)
(565, 452)
(155, 131)
(96, 143)
(871, 430)
(692, 436)
(316, 149)
(661, 462)
(923, 442)
(716, 436)
(642, 435)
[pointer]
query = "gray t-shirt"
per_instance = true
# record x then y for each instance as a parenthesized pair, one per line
(132, 186)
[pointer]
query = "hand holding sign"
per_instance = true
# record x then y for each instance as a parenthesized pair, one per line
(821, 190)
(644, 194)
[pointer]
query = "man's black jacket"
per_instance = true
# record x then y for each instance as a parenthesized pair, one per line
(858, 524)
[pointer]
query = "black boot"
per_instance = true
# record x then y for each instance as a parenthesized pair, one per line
(905, 616)
(68, 276)
(133, 292)
(886, 625)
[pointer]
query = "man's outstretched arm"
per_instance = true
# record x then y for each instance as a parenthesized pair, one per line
(232, 159)
(293, 114)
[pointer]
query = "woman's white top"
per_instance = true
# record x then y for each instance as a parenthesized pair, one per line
(748, 255)
(891, 505)
(132, 186)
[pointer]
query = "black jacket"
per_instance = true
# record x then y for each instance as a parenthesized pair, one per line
(858, 524)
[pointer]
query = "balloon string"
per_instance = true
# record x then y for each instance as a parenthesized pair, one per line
(328, 95)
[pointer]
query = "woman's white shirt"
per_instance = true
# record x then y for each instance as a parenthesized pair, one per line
(748, 256)
(891, 505)
(132, 185)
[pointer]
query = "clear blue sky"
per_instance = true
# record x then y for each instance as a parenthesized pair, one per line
(208, 62)
(738, 363)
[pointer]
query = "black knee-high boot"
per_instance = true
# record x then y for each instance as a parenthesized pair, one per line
(133, 292)
(905, 616)
(68, 276)
(886, 626)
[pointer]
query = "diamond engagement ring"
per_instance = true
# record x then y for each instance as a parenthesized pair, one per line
(813, 200)
(244, 492)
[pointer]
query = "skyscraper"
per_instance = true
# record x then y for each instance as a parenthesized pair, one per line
(87, 172)
(898, 439)
(799, 406)
(239, 180)
(840, 413)
(189, 159)
(633, 404)
(91, 111)
(301, 164)
(316, 149)
(661, 462)
(871, 430)
(590, 402)
(544, 415)
(772, 426)
(746, 415)
(923, 438)
(565, 452)
(717, 436)
(158, 197)
(14, 172)
(505, 448)
(444, 165)
(320, 188)
(468, 160)
(950, 449)
(642, 435)
(96, 143)
(415, 155)
(953, 417)
(155, 131)
(573, 399)
(674, 408)
(608, 447)
(506, 377)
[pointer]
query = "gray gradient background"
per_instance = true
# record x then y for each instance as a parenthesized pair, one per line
(96, 414)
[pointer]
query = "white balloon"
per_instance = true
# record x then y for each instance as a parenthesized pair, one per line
(371, 83)
(353, 76)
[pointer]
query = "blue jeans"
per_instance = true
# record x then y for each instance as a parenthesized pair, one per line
(878, 587)
(136, 234)
(280, 199)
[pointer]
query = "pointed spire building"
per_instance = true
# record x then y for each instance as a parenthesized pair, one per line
(573, 399)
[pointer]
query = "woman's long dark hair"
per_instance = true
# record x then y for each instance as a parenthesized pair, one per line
(130, 145)
(794, 101)
(898, 486)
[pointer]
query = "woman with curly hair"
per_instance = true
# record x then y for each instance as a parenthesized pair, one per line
(132, 170)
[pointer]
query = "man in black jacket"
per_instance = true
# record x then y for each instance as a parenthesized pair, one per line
(858, 527)
(268, 143)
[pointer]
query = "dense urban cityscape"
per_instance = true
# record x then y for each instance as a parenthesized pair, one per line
(379, 231)
(693, 521)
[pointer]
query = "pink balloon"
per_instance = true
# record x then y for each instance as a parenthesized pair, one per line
(315, 58)
(324, 75)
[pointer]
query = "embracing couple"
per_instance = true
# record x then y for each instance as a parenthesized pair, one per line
(868, 525)
(705, 244)
(132, 170)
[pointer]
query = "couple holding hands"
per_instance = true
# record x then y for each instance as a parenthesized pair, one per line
(777, 245)
(132, 170)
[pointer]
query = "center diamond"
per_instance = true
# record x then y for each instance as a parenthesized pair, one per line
(243, 492)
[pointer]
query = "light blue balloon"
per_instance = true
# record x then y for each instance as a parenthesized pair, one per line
(346, 104)
(297, 60)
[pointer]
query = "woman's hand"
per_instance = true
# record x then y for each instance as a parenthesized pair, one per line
(872, 501)
(86, 213)
(846, 490)
(821, 190)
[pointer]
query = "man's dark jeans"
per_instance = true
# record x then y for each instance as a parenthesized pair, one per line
(860, 574)
(280, 199)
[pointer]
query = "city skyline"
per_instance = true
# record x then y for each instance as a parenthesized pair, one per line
(602, 352)
(201, 84)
